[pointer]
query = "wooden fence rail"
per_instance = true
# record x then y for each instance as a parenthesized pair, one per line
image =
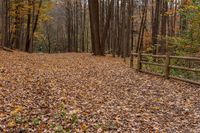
(167, 65)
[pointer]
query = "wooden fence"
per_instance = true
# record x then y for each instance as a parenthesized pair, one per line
(166, 65)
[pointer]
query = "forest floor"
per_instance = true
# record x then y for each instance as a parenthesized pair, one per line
(82, 93)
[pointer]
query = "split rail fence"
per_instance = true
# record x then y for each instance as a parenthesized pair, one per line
(167, 66)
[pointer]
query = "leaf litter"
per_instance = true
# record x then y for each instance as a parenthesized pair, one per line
(82, 93)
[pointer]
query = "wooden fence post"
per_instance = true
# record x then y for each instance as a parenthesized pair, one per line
(139, 65)
(167, 68)
(131, 62)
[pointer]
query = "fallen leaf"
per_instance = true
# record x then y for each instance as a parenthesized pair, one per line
(11, 124)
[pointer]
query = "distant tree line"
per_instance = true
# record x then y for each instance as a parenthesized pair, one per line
(101, 27)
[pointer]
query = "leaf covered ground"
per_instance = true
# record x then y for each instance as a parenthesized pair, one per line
(82, 93)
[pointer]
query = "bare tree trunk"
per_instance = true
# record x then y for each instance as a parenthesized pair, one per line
(94, 23)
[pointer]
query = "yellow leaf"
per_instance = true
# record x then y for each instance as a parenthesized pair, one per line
(155, 108)
(17, 110)
(84, 127)
(11, 124)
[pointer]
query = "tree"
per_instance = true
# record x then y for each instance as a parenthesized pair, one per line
(94, 23)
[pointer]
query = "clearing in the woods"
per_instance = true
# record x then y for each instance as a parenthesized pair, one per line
(82, 93)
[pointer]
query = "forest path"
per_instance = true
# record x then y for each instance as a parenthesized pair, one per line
(83, 93)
